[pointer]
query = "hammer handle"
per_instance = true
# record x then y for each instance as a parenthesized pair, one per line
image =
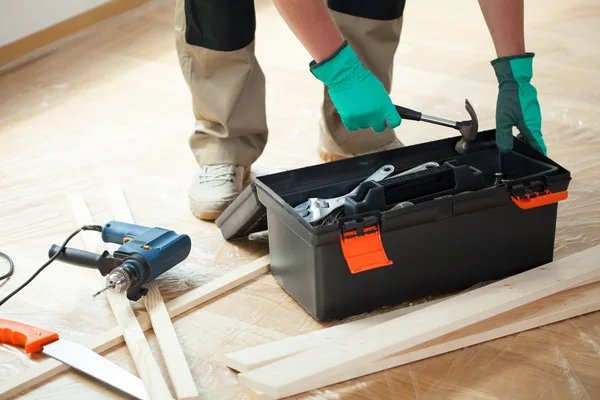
(407, 113)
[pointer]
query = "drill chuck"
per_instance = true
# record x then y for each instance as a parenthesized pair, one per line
(129, 276)
(119, 280)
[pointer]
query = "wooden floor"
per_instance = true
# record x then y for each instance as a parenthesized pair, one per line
(111, 106)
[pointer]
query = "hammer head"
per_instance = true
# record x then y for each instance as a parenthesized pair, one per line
(468, 129)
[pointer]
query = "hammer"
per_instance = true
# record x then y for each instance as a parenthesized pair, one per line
(468, 129)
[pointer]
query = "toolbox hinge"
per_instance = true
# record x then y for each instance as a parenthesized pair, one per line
(362, 246)
(536, 194)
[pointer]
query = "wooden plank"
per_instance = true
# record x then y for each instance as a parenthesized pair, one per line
(105, 341)
(254, 357)
(179, 371)
(132, 332)
(557, 307)
(307, 370)
(218, 286)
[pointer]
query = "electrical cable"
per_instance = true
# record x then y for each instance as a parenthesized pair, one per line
(11, 266)
(96, 228)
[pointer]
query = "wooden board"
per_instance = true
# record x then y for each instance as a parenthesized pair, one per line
(132, 332)
(308, 369)
(557, 307)
(254, 357)
(113, 337)
(179, 371)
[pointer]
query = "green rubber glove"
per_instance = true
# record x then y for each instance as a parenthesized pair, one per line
(359, 97)
(517, 103)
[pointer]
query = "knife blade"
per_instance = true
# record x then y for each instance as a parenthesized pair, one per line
(36, 340)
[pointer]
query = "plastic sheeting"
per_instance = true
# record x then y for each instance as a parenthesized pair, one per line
(111, 106)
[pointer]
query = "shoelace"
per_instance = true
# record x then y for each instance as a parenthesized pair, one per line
(217, 173)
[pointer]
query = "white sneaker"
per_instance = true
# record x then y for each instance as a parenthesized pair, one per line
(214, 187)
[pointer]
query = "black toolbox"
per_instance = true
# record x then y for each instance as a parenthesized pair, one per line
(428, 233)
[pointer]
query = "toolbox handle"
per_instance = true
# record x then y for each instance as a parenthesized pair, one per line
(539, 199)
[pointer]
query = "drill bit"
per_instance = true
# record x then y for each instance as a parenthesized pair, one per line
(104, 290)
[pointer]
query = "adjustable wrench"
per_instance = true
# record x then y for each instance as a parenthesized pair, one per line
(315, 209)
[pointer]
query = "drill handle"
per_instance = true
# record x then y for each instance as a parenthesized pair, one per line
(103, 262)
(116, 232)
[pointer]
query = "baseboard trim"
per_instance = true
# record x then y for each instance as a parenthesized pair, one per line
(21, 47)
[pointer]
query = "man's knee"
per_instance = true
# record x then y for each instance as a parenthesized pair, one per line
(374, 9)
(223, 25)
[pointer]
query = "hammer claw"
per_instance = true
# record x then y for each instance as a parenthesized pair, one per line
(468, 129)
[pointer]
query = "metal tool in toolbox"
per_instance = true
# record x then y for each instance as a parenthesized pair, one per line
(418, 168)
(145, 253)
(468, 129)
(404, 190)
(315, 209)
(36, 340)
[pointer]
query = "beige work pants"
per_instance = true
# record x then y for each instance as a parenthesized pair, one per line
(228, 93)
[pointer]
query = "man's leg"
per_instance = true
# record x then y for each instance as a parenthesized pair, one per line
(215, 46)
(372, 28)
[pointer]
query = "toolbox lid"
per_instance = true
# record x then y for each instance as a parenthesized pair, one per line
(246, 214)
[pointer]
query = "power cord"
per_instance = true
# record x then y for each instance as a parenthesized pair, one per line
(96, 228)
(11, 266)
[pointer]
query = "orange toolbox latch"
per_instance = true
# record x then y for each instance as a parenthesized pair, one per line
(361, 245)
(535, 195)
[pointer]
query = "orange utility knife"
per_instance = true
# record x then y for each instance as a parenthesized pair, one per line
(36, 340)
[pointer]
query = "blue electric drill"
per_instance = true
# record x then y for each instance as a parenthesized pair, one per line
(145, 253)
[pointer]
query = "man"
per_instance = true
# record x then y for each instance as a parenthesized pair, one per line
(353, 43)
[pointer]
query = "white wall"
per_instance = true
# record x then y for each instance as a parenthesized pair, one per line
(20, 18)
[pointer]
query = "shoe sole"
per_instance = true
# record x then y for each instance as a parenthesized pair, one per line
(330, 157)
(207, 215)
